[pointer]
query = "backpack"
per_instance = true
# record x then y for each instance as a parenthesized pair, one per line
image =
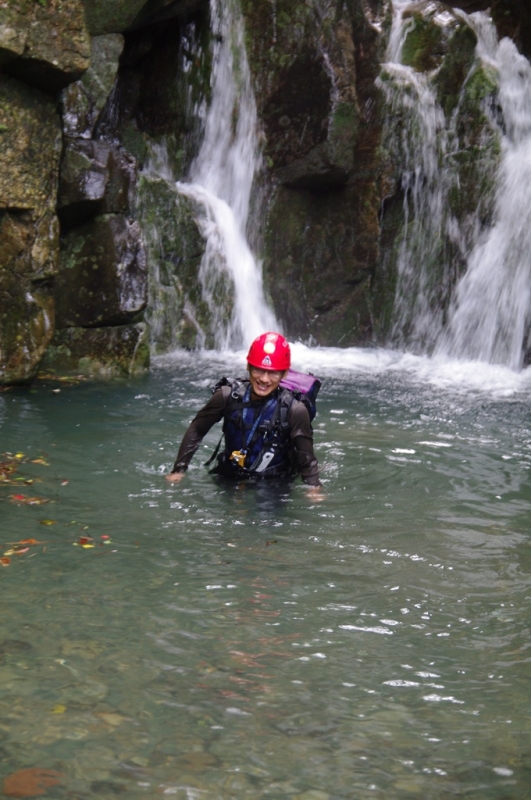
(304, 387)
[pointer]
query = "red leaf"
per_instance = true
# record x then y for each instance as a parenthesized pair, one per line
(30, 782)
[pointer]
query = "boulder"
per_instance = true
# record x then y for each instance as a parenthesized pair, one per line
(45, 44)
(30, 143)
(83, 100)
(101, 279)
(99, 352)
(96, 178)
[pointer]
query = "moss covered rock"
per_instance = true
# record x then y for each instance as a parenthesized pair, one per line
(99, 352)
(102, 277)
(176, 314)
(30, 142)
(44, 42)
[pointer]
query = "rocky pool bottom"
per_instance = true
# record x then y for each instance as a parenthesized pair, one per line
(213, 641)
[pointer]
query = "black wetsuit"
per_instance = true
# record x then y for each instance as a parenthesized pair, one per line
(300, 438)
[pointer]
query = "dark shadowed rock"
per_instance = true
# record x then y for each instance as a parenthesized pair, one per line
(115, 16)
(102, 274)
(96, 178)
(83, 100)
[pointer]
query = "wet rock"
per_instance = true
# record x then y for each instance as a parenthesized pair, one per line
(44, 44)
(102, 277)
(30, 137)
(96, 178)
(315, 69)
(83, 100)
(99, 352)
(310, 146)
(176, 313)
(423, 47)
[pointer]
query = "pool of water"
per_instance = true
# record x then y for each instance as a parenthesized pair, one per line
(213, 641)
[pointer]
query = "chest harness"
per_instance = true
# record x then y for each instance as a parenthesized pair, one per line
(257, 436)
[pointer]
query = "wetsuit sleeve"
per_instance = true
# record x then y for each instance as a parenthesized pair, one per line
(302, 438)
(211, 413)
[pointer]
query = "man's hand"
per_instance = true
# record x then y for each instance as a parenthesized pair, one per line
(315, 493)
(175, 477)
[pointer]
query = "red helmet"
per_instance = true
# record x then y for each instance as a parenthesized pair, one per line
(270, 351)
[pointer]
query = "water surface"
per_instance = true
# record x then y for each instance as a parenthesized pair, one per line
(235, 641)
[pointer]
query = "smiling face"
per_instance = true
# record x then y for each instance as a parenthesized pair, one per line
(263, 381)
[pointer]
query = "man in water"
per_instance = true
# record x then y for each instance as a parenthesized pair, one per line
(268, 432)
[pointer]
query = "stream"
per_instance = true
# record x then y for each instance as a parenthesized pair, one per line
(215, 641)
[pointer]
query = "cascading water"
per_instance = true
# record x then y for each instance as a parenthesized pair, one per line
(221, 180)
(489, 317)
(485, 316)
(420, 150)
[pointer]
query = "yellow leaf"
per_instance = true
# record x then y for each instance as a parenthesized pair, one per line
(48, 522)
(86, 546)
(58, 709)
(19, 455)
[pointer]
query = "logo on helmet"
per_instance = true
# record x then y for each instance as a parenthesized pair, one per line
(266, 362)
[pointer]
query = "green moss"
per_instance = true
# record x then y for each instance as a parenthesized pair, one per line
(455, 68)
(481, 84)
(423, 46)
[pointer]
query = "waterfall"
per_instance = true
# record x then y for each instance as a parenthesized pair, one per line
(463, 285)
(489, 316)
(420, 146)
(221, 181)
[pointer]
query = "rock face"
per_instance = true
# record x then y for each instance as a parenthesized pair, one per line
(45, 44)
(30, 143)
(315, 68)
(101, 106)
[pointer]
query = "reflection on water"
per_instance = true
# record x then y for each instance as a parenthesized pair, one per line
(222, 641)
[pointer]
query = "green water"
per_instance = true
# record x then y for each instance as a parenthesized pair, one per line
(236, 642)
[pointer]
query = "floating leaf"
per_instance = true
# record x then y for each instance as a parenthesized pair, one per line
(64, 483)
(30, 782)
(58, 709)
(4, 561)
(28, 501)
(48, 522)
(40, 461)
(30, 541)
